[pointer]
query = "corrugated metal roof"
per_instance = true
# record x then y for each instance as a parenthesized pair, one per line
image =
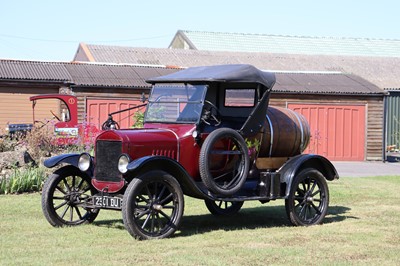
(81, 74)
(382, 71)
(241, 42)
(128, 76)
(102, 75)
(114, 75)
(33, 70)
(324, 83)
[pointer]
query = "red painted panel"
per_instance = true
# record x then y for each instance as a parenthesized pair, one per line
(98, 110)
(337, 131)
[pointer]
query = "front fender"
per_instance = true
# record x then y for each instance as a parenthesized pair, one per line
(297, 163)
(170, 166)
(71, 159)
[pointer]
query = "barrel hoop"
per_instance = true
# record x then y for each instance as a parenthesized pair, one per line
(272, 135)
(301, 130)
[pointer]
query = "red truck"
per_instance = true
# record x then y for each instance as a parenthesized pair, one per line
(67, 129)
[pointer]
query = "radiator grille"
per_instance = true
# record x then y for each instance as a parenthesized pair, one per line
(107, 154)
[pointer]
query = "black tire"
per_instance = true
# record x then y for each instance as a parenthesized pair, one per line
(307, 203)
(223, 208)
(152, 206)
(227, 147)
(62, 197)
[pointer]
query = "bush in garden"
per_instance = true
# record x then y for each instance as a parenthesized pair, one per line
(41, 142)
(21, 180)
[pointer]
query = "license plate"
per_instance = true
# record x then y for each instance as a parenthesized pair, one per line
(107, 202)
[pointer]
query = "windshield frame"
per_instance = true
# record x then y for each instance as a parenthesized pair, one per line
(166, 98)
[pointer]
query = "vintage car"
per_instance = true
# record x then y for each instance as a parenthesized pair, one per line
(209, 134)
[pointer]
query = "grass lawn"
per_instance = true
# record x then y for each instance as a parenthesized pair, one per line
(362, 227)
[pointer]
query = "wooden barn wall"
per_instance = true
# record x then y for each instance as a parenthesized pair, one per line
(83, 93)
(17, 108)
(374, 112)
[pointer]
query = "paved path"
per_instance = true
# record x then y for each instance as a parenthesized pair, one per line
(360, 169)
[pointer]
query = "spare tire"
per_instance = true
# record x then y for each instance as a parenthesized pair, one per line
(224, 161)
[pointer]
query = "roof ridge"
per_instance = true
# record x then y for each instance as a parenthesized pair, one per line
(32, 61)
(291, 36)
(86, 63)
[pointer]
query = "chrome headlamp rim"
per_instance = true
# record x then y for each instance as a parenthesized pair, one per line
(123, 162)
(84, 162)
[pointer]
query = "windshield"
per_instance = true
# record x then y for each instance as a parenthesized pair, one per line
(175, 103)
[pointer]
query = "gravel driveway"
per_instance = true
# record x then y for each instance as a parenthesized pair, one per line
(361, 169)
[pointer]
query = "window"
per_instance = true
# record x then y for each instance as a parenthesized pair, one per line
(240, 97)
(175, 103)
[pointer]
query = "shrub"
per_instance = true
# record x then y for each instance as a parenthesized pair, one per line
(41, 142)
(23, 180)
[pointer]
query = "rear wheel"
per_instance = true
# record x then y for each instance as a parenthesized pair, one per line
(223, 208)
(308, 200)
(63, 196)
(152, 206)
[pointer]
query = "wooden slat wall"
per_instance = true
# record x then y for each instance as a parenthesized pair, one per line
(16, 108)
(375, 134)
(374, 113)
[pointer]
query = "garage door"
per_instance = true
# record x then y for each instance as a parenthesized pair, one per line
(16, 108)
(337, 131)
(98, 110)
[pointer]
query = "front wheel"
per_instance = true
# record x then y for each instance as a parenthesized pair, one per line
(64, 194)
(152, 206)
(308, 200)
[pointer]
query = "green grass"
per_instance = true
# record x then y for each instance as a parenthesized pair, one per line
(362, 227)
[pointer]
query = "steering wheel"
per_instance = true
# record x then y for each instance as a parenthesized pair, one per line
(55, 116)
(211, 114)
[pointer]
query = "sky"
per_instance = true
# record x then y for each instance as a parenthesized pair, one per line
(51, 30)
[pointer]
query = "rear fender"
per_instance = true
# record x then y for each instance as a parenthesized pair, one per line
(170, 166)
(297, 163)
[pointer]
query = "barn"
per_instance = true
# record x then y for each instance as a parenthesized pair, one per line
(332, 84)
(336, 83)
(344, 110)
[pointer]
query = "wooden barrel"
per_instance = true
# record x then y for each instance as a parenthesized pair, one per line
(286, 133)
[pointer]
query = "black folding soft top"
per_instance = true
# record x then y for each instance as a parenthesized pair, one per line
(239, 73)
